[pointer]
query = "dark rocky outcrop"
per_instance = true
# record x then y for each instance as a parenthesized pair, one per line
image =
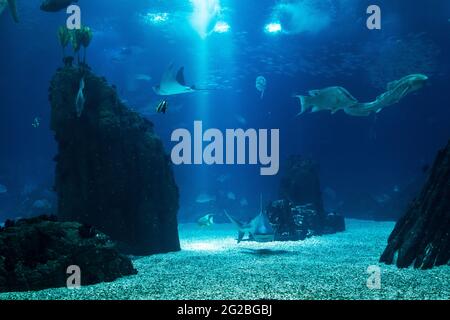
(111, 169)
(300, 183)
(35, 254)
(422, 236)
(300, 213)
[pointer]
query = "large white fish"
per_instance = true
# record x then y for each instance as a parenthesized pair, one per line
(331, 98)
(173, 83)
(12, 8)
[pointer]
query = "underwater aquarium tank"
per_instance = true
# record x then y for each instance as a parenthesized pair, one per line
(253, 150)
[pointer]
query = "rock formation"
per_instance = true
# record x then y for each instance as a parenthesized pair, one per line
(422, 236)
(35, 254)
(300, 213)
(293, 222)
(300, 183)
(111, 169)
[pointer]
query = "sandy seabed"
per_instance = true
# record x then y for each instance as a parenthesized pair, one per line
(212, 265)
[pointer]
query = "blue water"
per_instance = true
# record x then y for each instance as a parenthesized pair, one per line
(323, 43)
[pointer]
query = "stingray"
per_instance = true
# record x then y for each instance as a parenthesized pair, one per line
(12, 8)
(173, 83)
(259, 228)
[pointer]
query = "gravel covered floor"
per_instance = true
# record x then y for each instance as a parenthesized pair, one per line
(213, 266)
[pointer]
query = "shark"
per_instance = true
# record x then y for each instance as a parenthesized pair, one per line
(258, 229)
(12, 8)
(173, 83)
(396, 91)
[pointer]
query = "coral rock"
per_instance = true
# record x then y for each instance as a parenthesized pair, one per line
(294, 222)
(422, 236)
(111, 169)
(35, 254)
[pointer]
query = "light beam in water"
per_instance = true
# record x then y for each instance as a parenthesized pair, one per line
(221, 27)
(273, 27)
(203, 15)
(156, 18)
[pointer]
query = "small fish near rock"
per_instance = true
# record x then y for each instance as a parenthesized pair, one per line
(81, 100)
(162, 107)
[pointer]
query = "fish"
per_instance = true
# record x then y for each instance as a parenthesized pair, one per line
(381, 199)
(173, 83)
(396, 91)
(135, 82)
(143, 77)
(42, 204)
(331, 98)
(223, 177)
(231, 196)
(56, 5)
(241, 119)
(258, 229)
(11, 4)
(36, 122)
(162, 107)
(122, 54)
(244, 202)
(206, 221)
(205, 198)
(81, 100)
(3, 189)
